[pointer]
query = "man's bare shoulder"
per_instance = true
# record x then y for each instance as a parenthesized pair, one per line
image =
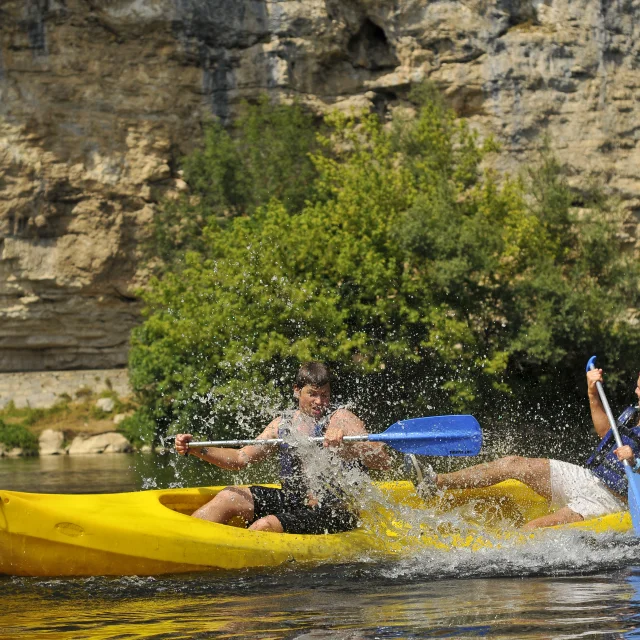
(271, 430)
(343, 412)
(347, 421)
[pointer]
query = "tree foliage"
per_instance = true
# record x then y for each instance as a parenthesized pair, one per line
(264, 155)
(426, 281)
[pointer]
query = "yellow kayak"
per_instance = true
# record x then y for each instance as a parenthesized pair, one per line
(151, 532)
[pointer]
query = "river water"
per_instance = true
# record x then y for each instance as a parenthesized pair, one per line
(568, 586)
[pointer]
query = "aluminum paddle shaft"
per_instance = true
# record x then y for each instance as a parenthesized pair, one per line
(270, 441)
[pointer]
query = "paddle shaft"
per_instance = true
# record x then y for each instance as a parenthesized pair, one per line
(270, 441)
(457, 435)
(612, 420)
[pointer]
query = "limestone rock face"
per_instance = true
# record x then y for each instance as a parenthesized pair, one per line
(110, 442)
(105, 404)
(99, 100)
(39, 389)
(50, 443)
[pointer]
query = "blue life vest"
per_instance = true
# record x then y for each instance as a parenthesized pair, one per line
(604, 464)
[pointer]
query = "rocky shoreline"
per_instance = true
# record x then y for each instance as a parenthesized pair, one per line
(52, 443)
(67, 413)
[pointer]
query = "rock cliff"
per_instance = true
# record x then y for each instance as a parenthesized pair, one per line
(100, 98)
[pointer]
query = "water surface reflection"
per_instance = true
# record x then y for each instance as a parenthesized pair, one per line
(350, 602)
(70, 474)
(116, 472)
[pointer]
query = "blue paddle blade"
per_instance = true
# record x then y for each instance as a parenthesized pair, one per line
(434, 436)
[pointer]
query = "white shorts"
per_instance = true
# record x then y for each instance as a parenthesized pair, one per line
(577, 488)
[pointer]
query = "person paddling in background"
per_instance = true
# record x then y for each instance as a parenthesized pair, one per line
(578, 493)
(293, 508)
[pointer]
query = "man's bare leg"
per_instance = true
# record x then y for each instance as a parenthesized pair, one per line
(561, 516)
(268, 523)
(229, 503)
(533, 472)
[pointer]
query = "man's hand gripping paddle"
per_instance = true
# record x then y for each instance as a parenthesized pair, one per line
(432, 436)
(633, 479)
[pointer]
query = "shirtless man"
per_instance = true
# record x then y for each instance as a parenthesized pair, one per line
(292, 509)
(577, 492)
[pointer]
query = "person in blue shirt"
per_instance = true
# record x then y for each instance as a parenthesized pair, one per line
(576, 492)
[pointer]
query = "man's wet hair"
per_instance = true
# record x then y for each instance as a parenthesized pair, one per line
(313, 374)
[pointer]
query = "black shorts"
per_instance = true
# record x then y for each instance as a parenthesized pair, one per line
(297, 517)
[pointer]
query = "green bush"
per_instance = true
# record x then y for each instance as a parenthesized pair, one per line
(15, 435)
(265, 155)
(429, 284)
(138, 428)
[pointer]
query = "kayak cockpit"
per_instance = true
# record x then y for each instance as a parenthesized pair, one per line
(189, 500)
(185, 503)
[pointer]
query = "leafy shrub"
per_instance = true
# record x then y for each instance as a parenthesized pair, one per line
(16, 435)
(138, 428)
(423, 279)
(264, 156)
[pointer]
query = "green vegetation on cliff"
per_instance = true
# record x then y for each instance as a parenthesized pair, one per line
(22, 426)
(267, 157)
(396, 258)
